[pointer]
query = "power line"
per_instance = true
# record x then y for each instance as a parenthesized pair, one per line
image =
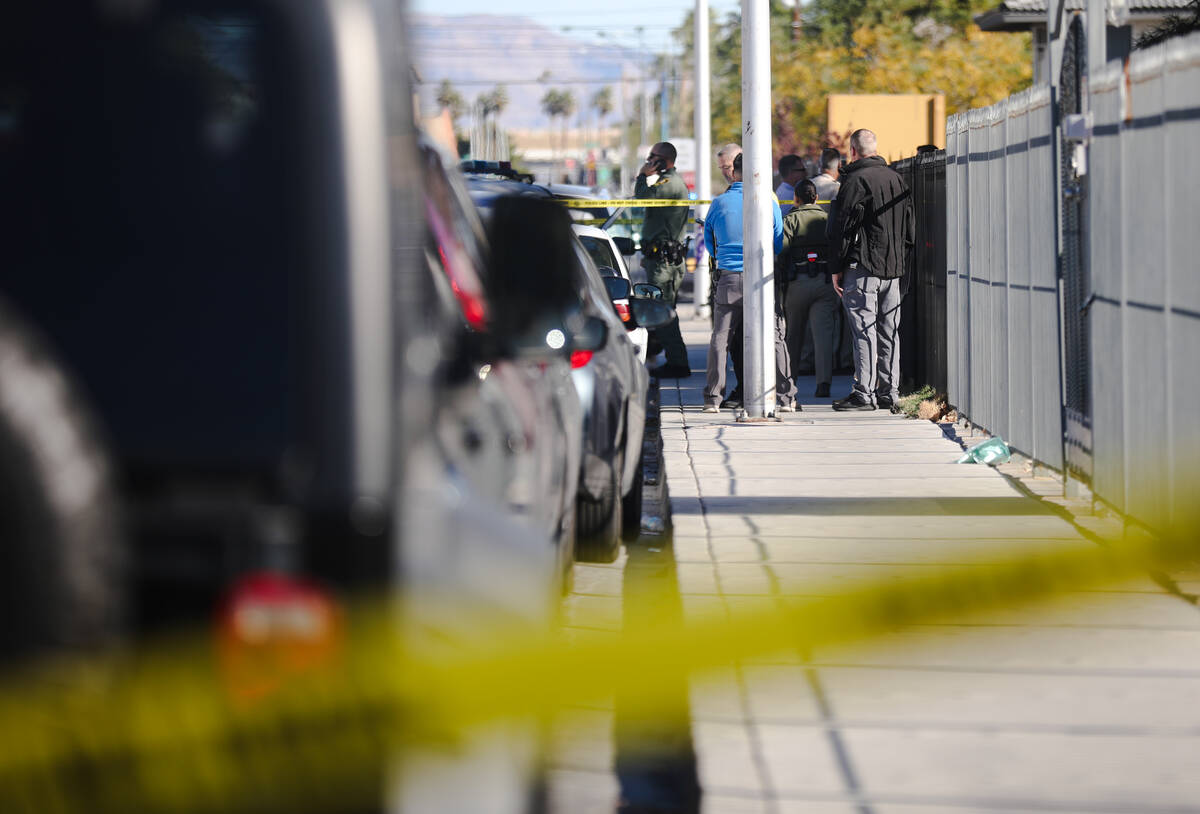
(540, 26)
(598, 54)
(549, 82)
(607, 13)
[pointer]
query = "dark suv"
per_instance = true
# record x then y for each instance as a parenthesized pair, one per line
(230, 371)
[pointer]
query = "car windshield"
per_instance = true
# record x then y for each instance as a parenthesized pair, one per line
(600, 250)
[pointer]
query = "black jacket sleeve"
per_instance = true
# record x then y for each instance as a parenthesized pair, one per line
(852, 199)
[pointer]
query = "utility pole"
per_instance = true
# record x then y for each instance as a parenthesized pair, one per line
(703, 128)
(758, 241)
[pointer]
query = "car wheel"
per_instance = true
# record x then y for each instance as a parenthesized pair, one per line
(631, 506)
(62, 561)
(598, 522)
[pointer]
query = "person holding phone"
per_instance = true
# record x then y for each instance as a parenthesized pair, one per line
(662, 248)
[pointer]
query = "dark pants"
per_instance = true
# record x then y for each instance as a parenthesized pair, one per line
(668, 278)
(727, 326)
(812, 303)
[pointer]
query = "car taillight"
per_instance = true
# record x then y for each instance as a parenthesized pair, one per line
(623, 311)
(579, 358)
(272, 627)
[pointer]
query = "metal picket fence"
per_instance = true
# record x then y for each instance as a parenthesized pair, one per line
(1130, 293)
(1144, 313)
(923, 313)
(1002, 323)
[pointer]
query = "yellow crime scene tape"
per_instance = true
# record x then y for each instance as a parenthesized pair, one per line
(618, 221)
(576, 203)
(158, 729)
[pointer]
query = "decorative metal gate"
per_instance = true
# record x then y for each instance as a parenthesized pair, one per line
(1077, 297)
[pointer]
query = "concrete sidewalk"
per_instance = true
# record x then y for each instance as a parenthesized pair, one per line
(1089, 703)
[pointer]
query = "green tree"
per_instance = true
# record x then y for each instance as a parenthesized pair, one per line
(864, 46)
(494, 102)
(450, 99)
(559, 104)
(602, 102)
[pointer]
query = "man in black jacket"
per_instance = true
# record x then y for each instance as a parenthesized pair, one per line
(872, 231)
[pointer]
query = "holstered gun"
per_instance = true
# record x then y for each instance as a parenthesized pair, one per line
(809, 261)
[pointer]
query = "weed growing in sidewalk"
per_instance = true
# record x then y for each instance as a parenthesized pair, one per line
(925, 403)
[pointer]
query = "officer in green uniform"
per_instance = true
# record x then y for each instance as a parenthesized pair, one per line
(810, 301)
(662, 248)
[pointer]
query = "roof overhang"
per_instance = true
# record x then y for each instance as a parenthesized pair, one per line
(1006, 19)
(999, 19)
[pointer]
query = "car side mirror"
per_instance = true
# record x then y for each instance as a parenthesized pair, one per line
(624, 245)
(650, 313)
(647, 290)
(618, 288)
(591, 335)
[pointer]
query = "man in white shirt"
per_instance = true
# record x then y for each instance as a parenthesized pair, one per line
(827, 182)
(791, 173)
(725, 158)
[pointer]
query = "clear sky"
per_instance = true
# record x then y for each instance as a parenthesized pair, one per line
(618, 18)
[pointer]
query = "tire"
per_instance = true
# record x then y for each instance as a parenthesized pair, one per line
(62, 557)
(598, 522)
(631, 506)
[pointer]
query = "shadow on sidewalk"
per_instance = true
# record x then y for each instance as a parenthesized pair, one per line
(1017, 505)
(655, 760)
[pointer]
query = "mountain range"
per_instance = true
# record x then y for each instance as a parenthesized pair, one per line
(477, 53)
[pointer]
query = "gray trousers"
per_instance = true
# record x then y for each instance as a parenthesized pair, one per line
(727, 317)
(873, 308)
(727, 320)
(812, 303)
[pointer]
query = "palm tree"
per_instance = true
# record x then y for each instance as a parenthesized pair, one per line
(558, 104)
(450, 99)
(568, 109)
(493, 103)
(490, 106)
(602, 103)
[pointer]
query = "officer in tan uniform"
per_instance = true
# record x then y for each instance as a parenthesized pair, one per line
(663, 250)
(811, 300)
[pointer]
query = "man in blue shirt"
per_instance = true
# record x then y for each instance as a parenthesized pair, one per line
(723, 236)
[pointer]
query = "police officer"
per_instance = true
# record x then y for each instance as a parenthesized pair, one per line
(662, 248)
(811, 300)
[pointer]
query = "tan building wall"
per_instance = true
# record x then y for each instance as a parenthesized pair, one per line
(901, 122)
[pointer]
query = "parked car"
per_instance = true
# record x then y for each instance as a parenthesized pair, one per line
(611, 382)
(604, 253)
(514, 422)
(232, 375)
(604, 509)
